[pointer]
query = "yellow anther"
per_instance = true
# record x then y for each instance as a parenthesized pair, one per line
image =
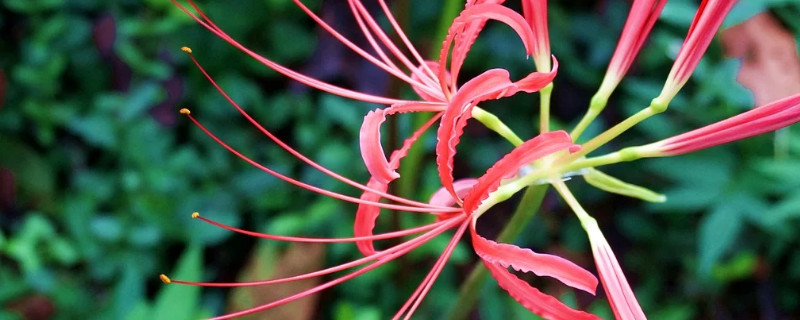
(165, 279)
(195, 215)
(185, 111)
(187, 50)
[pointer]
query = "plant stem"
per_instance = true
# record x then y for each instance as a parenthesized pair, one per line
(468, 294)
(544, 108)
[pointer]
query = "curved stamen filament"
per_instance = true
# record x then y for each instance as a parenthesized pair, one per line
(387, 66)
(381, 256)
(299, 155)
(302, 78)
(427, 283)
(382, 236)
(404, 39)
(376, 29)
(308, 186)
(329, 283)
(358, 15)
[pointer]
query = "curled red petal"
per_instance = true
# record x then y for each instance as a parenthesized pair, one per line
(492, 84)
(535, 301)
(459, 110)
(467, 26)
(541, 264)
(371, 150)
(367, 214)
(531, 150)
(370, 138)
(443, 198)
(535, 81)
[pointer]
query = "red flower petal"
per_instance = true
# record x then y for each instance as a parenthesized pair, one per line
(468, 24)
(370, 138)
(706, 22)
(367, 214)
(541, 304)
(443, 198)
(641, 18)
(759, 120)
(623, 301)
(532, 150)
(526, 260)
(492, 84)
(497, 256)
(535, 13)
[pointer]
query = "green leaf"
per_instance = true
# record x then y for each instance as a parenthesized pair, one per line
(719, 231)
(32, 171)
(739, 267)
(343, 112)
(141, 311)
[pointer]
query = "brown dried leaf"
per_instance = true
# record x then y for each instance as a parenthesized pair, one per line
(770, 63)
(264, 264)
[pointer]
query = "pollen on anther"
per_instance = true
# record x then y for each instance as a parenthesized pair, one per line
(187, 50)
(195, 215)
(165, 279)
(185, 111)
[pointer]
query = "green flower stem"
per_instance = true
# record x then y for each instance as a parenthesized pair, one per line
(495, 124)
(597, 104)
(544, 108)
(627, 154)
(468, 294)
(655, 108)
(586, 220)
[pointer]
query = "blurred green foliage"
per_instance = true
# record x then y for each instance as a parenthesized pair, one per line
(104, 175)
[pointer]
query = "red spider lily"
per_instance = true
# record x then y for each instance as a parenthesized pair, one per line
(453, 104)
(547, 157)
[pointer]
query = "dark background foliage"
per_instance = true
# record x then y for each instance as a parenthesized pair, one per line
(99, 174)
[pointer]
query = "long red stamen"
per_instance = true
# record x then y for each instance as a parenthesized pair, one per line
(426, 284)
(308, 186)
(404, 39)
(381, 236)
(377, 256)
(295, 152)
(327, 284)
(302, 78)
(387, 66)
(382, 258)
(363, 16)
